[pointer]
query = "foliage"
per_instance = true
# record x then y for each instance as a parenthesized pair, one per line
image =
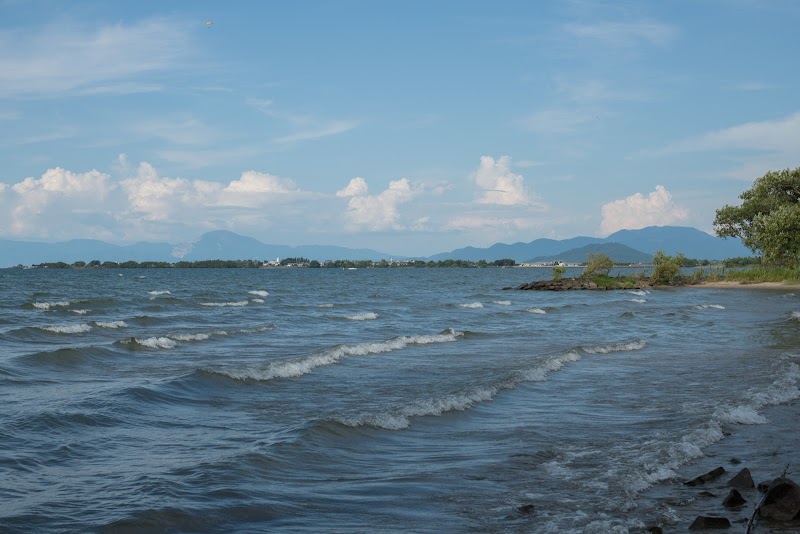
(558, 271)
(293, 261)
(505, 262)
(764, 274)
(666, 269)
(768, 220)
(742, 262)
(598, 263)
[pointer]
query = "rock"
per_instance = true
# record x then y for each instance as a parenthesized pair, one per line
(706, 494)
(734, 499)
(707, 522)
(526, 509)
(781, 501)
(655, 530)
(742, 480)
(735, 461)
(708, 477)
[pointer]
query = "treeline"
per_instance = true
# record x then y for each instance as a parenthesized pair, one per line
(254, 264)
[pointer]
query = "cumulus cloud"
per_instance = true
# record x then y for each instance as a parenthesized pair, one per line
(498, 185)
(638, 211)
(58, 191)
(376, 212)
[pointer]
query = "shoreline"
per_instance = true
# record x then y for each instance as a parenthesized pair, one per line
(735, 284)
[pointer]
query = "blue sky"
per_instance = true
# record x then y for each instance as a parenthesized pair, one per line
(410, 127)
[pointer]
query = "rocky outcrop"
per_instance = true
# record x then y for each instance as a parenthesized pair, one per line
(566, 284)
(708, 477)
(781, 501)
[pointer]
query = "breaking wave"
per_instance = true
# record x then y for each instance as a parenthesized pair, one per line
(302, 366)
(159, 292)
(709, 306)
(68, 329)
(259, 293)
(237, 303)
(471, 305)
(80, 312)
(366, 316)
(50, 305)
(111, 324)
(503, 302)
(640, 301)
(151, 342)
(619, 347)
(537, 310)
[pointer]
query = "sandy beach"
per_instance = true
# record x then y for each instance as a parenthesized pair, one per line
(733, 284)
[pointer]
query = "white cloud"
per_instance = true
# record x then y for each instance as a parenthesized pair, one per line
(257, 189)
(638, 211)
(499, 185)
(65, 57)
(158, 197)
(377, 212)
(781, 135)
(33, 203)
(623, 34)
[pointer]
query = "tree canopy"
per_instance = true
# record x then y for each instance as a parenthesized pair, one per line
(768, 220)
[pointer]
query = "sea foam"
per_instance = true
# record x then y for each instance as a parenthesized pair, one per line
(366, 316)
(111, 324)
(68, 329)
(472, 305)
(503, 302)
(301, 366)
(618, 347)
(259, 293)
(709, 306)
(159, 292)
(538, 311)
(48, 305)
(237, 303)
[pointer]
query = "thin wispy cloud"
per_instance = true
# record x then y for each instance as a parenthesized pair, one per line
(623, 34)
(67, 57)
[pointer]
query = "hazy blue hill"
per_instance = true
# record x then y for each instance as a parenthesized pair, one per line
(31, 252)
(517, 251)
(673, 239)
(616, 251)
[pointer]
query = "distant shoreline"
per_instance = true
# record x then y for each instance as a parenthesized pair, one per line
(733, 284)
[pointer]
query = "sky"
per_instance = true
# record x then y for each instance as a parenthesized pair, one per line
(411, 127)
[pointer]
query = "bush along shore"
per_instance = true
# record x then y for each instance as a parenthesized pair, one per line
(666, 273)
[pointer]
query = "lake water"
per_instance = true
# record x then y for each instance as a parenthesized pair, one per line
(425, 400)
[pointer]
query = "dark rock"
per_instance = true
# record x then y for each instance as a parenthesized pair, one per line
(706, 494)
(742, 480)
(735, 461)
(655, 530)
(734, 499)
(526, 509)
(708, 477)
(781, 501)
(707, 522)
(764, 486)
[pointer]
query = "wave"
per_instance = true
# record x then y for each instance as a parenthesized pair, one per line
(539, 373)
(159, 292)
(640, 301)
(618, 347)
(68, 329)
(324, 305)
(639, 292)
(302, 366)
(50, 305)
(366, 316)
(80, 312)
(68, 356)
(237, 303)
(709, 306)
(151, 342)
(257, 301)
(795, 315)
(111, 324)
(537, 311)
(503, 302)
(259, 293)
(471, 305)
(401, 419)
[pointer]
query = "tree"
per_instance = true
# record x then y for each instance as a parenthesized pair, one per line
(597, 263)
(666, 269)
(767, 221)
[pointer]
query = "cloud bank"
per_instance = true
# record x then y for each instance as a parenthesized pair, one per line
(639, 211)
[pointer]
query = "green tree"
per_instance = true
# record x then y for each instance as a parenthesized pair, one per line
(666, 269)
(767, 220)
(558, 271)
(597, 263)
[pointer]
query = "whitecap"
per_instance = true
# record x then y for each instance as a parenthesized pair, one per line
(194, 337)
(156, 342)
(537, 310)
(159, 292)
(324, 305)
(640, 301)
(619, 347)
(302, 366)
(68, 329)
(795, 315)
(259, 293)
(503, 302)
(540, 373)
(366, 316)
(707, 306)
(80, 312)
(741, 415)
(257, 301)
(48, 305)
(111, 324)
(638, 292)
(472, 305)
(225, 304)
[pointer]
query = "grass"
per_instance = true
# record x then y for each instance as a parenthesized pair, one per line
(753, 275)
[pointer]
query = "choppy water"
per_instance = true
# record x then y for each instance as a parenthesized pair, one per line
(374, 400)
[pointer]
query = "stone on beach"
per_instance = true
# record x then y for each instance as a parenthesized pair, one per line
(742, 480)
(781, 500)
(708, 522)
(708, 477)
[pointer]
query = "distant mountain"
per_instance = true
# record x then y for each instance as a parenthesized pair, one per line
(211, 246)
(616, 251)
(671, 239)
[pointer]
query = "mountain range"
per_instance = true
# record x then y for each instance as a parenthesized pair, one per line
(622, 246)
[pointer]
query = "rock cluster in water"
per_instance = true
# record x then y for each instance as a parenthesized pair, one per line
(779, 502)
(565, 284)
